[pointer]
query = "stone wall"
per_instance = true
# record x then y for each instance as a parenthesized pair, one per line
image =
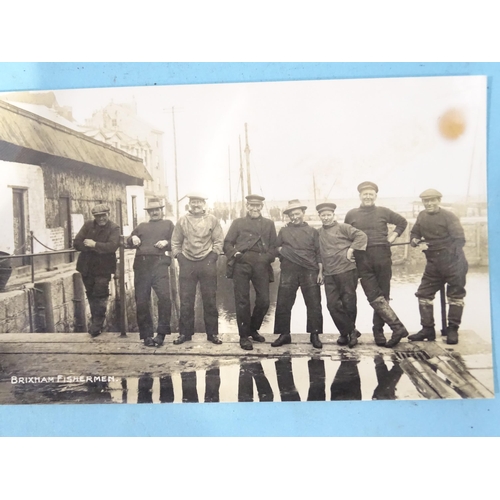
(84, 189)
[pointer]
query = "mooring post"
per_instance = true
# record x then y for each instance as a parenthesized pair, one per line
(79, 303)
(48, 308)
(443, 311)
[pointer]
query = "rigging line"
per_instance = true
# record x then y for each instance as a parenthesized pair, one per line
(260, 185)
(334, 182)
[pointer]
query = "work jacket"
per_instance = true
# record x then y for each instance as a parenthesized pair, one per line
(101, 259)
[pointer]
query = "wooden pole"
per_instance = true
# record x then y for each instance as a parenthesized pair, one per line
(247, 158)
(314, 188)
(123, 298)
(175, 167)
(442, 297)
(242, 211)
(229, 173)
(79, 304)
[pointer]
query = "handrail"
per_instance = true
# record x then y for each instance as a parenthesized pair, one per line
(120, 273)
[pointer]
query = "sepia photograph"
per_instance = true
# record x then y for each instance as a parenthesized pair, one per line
(314, 240)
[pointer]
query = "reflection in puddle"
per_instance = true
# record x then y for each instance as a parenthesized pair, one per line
(280, 379)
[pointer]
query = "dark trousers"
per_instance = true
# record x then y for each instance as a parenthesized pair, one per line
(251, 267)
(375, 271)
(151, 272)
(341, 300)
(145, 389)
(316, 380)
(346, 385)
(444, 267)
(387, 379)
(248, 373)
(96, 287)
(97, 291)
(292, 277)
(190, 274)
(286, 384)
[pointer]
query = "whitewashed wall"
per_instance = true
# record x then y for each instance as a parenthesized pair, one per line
(30, 177)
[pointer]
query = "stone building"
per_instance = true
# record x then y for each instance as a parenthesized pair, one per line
(52, 175)
(120, 126)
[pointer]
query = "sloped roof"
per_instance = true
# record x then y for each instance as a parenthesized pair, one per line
(32, 132)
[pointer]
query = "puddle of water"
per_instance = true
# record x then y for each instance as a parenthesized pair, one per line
(304, 378)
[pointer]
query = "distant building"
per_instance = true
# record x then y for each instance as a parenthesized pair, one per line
(120, 126)
(50, 178)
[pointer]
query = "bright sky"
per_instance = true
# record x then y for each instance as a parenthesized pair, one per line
(343, 132)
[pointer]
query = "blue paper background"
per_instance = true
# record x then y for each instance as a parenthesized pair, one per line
(375, 418)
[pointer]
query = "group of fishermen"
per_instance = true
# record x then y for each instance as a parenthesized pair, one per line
(335, 255)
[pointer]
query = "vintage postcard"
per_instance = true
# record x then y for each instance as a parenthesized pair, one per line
(252, 242)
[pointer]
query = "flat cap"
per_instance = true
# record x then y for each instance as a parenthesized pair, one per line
(153, 204)
(431, 193)
(367, 185)
(254, 197)
(196, 196)
(100, 209)
(292, 205)
(326, 206)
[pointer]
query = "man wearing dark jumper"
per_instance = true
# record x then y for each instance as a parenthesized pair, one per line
(250, 247)
(301, 266)
(446, 265)
(375, 264)
(152, 259)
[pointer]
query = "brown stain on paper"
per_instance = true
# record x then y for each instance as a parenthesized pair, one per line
(452, 124)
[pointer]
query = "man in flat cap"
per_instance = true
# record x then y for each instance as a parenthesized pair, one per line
(446, 265)
(197, 242)
(97, 240)
(337, 243)
(250, 248)
(375, 264)
(298, 246)
(151, 271)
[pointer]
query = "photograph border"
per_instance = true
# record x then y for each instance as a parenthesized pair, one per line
(350, 418)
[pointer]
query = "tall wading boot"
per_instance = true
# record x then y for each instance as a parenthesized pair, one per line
(454, 319)
(428, 331)
(385, 311)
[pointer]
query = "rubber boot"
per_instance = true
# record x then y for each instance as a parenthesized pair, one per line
(386, 312)
(454, 320)
(379, 337)
(428, 331)
(98, 315)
